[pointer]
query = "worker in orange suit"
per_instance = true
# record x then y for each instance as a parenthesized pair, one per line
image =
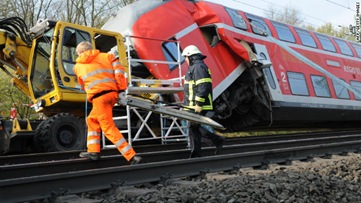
(102, 77)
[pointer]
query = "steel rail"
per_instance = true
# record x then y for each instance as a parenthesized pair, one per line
(53, 156)
(77, 164)
(52, 185)
(142, 148)
(79, 175)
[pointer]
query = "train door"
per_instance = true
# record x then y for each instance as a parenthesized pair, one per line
(269, 74)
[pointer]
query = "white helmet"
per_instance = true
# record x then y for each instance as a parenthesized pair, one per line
(190, 50)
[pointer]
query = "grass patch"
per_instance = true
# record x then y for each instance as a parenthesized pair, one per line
(269, 132)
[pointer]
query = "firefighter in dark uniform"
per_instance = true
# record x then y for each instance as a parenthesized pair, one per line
(198, 98)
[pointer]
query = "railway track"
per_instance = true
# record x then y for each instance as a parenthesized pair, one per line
(43, 176)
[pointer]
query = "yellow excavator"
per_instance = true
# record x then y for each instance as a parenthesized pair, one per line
(40, 63)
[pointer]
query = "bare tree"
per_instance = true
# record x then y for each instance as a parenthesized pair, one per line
(327, 29)
(340, 31)
(13, 97)
(309, 27)
(293, 16)
(29, 10)
(344, 32)
(289, 15)
(92, 13)
(126, 2)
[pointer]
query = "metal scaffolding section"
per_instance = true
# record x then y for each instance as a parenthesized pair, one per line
(170, 128)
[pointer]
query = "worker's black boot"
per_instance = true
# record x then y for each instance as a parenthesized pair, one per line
(90, 155)
(219, 145)
(135, 160)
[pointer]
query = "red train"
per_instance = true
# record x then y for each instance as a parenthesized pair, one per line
(248, 93)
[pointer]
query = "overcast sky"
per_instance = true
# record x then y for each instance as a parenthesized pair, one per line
(314, 12)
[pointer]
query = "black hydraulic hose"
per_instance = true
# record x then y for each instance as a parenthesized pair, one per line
(16, 26)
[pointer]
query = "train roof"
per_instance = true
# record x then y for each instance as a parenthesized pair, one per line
(123, 21)
(265, 18)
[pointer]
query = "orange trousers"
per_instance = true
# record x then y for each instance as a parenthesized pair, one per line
(101, 118)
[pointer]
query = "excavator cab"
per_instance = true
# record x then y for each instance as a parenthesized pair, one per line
(54, 87)
(52, 82)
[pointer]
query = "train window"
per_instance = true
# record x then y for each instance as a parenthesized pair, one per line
(210, 35)
(345, 49)
(171, 52)
(326, 43)
(306, 38)
(258, 25)
(284, 33)
(320, 86)
(356, 85)
(340, 90)
(357, 49)
(237, 19)
(268, 75)
(297, 83)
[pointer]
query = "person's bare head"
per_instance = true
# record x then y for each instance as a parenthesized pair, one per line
(83, 46)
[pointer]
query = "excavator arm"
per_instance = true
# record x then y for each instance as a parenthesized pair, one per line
(15, 49)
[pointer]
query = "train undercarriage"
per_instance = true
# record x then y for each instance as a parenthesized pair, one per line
(245, 102)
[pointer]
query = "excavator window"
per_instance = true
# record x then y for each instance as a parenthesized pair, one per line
(105, 43)
(71, 38)
(40, 75)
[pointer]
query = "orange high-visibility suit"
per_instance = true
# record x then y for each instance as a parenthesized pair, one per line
(102, 77)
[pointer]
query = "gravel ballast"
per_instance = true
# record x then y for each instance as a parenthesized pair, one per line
(320, 180)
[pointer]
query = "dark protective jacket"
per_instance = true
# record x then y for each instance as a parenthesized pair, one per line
(198, 84)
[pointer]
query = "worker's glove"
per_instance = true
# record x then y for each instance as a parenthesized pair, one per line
(197, 109)
(122, 101)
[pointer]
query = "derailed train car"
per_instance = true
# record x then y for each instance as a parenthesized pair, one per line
(256, 82)
(266, 74)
